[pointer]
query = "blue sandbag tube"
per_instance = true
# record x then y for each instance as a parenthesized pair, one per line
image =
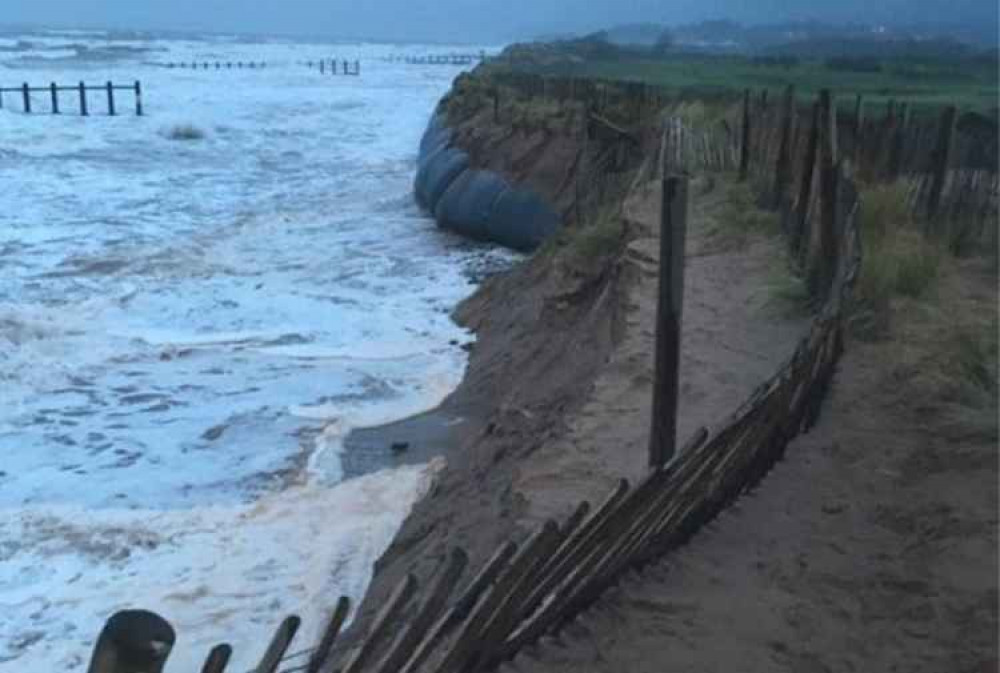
(437, 173)
(477, 203)
(467, 205)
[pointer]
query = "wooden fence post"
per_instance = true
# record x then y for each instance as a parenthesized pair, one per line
(133, 640)
(83, 100)
(783, 170)
(26, 94)
(745, 145)
(798, 234)
(138, 99)
(218, 659)
(383, 622)
(669, 310)
(55, 97)
(279, 645)
(824, 265)
(939, 165)
(111, 99)
(322, 652)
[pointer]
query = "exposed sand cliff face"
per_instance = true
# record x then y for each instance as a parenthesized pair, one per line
(544, 331)
(556, 399)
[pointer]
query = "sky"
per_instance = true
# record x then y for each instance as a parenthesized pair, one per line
(468, 20)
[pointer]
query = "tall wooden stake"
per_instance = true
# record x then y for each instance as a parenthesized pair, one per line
(669, 310)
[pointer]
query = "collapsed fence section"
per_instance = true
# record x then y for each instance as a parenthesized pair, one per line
(80, 90)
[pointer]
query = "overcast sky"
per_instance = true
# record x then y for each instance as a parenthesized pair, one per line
(467, 20)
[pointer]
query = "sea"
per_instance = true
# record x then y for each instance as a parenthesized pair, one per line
(197, 305)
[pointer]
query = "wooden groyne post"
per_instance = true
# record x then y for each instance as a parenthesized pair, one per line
(669, 309)
(80, 89)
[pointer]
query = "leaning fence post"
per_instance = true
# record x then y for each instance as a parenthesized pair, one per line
(138, 98)
(322, 652)
(218, 658)
(745, 146)
(111, 99)
(83, 100)
(939, 164)
(132, 641)
(26, 93)
(279, 645)
(673, 228)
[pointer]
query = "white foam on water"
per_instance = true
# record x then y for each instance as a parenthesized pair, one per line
(190, 329)
(218, 574)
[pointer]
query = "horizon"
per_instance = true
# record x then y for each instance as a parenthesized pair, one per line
(438, 23)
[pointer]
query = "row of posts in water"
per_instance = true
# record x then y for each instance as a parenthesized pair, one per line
(81, 89)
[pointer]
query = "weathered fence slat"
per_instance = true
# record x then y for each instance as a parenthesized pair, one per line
(217, 659)
(939, 165)
(466, 644)
(282, 638)
(463, 606)
(336, 623)
(449, 574)
(389, 613)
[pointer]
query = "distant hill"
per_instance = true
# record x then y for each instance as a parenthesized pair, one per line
(791, 37)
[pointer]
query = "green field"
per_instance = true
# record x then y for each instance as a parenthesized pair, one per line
(926, 86)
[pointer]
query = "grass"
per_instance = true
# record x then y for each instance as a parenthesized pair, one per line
(969, 86)
(590, 243)
(185, 132)
(741, 215)
(897, 259)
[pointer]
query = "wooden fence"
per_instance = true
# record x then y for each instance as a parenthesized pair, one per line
(534, 586)
(79, 92)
